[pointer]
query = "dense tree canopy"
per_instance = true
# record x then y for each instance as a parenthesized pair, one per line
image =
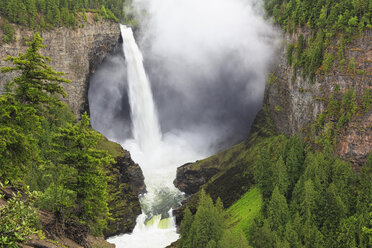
(44, 13)
(324, 23)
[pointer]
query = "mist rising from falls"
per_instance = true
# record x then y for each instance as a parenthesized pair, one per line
(157, 154)
(207, 62)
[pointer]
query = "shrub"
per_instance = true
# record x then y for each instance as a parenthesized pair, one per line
(18, 219)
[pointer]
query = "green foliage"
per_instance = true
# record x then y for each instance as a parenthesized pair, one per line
(75, 145)
(56, 13)
(18, 219)
(366, 100)
(352, 65)
(290, 49)
(348, 107)
(206, 228)
(233, 240)
(328, 206)
(42, 145)
(324, 20)
(96, 17)
(277, 211)
(367, 230)
(341, 108)
(18, 147)
(37, 82)
(328, 62)
(8, 32)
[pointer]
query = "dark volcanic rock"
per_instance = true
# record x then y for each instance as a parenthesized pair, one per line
(189, 179)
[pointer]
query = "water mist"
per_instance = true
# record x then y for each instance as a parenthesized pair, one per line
(157, 155)
(206, 61)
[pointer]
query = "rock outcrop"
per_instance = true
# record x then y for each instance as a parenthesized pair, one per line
(294, 102)
(125, 185)
(76, 52)
(190, 179)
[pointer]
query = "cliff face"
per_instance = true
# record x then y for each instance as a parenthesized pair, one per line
(294, 102)
(75, 52)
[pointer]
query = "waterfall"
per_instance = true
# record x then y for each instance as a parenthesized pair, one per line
(145, 125)
(157, 154)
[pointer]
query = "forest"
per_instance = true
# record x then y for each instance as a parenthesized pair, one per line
(46, 154)
(310, 198)
(320, 25)
(47, 14)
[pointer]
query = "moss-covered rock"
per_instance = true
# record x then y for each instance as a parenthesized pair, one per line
(126, 183)
(234, 168)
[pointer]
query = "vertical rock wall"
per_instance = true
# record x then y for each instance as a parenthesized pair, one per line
(76, 52)
(294, 102)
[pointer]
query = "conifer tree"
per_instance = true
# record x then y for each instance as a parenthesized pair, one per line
(18, 149)
(186, 231)
(277, 211)
(280, 176)
(233, 240)
(76, 146)
(262, 172)
(37, 82)
(207, 225)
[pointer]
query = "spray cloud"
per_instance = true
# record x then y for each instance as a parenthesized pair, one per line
(207, 61)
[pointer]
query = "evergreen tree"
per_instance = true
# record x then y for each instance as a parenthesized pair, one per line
(277, 211)
(186, 231)
(207, 225)
(291, 235)
(76, 146)
(347, 233)
(262, 172)
(280, 176)
(37, 82)
(294, 159)
(262, 236)
(233, 240)
(18, 150)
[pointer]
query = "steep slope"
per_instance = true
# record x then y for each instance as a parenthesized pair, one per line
(329, 110)
(294, 101)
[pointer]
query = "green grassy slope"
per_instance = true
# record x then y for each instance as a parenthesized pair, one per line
(242, 213)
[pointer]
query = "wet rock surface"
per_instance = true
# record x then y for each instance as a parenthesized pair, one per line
(125, 185)
(189, 179)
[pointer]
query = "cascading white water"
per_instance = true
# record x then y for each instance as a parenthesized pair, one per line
(157, 154)
(145, 124)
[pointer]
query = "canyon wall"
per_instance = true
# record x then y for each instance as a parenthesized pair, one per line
(77, 52)
(294, 101)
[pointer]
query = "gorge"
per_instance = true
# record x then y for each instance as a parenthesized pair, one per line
(198, 105)
(204, 97)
